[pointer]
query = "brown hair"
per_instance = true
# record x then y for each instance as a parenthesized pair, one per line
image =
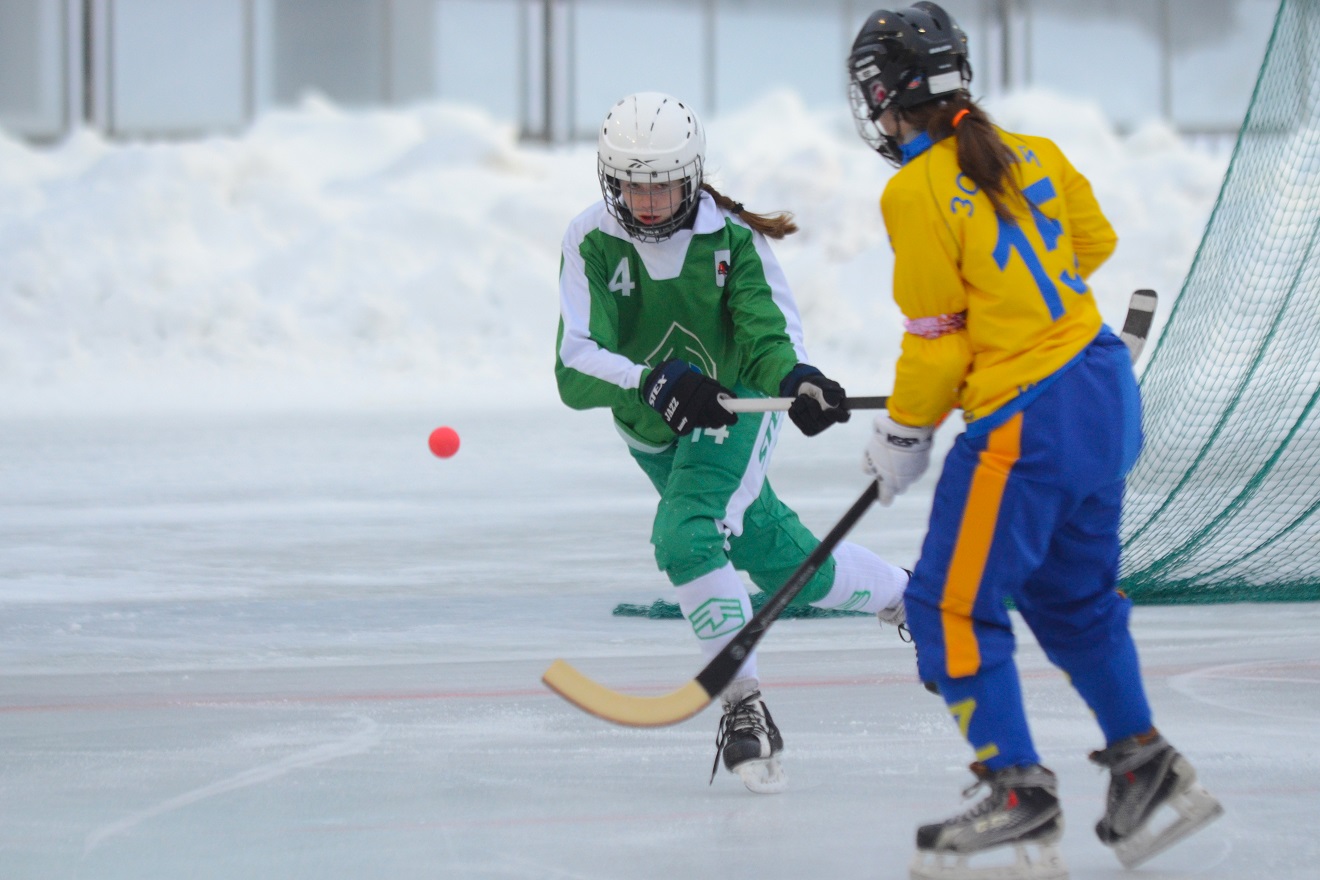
(983, 157)
(775, 225)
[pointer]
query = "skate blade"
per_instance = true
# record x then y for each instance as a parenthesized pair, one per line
(763, 776)
(1195, 807)
(1031, 861)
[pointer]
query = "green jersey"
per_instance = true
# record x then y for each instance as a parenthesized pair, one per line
(713, 295)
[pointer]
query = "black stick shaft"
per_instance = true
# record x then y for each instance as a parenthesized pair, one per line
(722, 669)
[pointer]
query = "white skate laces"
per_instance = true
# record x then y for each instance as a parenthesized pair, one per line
(749, 742)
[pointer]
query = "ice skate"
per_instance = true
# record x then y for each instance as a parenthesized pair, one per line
(1012, 834)
(1146, 774)
(896, 616)
(748, 740)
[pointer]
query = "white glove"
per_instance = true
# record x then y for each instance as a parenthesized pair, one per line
(896, 456)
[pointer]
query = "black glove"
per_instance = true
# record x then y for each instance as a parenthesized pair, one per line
(820, 402)
(685, 398)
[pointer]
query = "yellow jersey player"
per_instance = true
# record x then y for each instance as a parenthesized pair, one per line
(994, 235)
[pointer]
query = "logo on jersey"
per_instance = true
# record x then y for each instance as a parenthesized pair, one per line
(681, 342)
(722, 267)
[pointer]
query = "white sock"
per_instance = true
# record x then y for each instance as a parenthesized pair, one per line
(738, 689)
(717, 606)
(863, 581)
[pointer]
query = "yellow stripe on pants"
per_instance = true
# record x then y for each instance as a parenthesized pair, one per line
(975, 534)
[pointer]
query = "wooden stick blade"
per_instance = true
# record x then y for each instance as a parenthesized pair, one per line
(617, 708)
(698, 693)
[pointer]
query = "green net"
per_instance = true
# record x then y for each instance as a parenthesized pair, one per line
(1222, 506)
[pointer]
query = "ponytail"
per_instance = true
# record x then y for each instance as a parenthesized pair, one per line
(775, 225)
(982, 155)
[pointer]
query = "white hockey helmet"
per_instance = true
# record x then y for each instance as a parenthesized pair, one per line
(651, 138)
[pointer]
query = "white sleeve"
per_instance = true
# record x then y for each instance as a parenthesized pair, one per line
(578, 350)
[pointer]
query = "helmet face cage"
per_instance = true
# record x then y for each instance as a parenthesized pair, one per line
(868, 99)
(905, 59)
(649, 161)
(674, 193)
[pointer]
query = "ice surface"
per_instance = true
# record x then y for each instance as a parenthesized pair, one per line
(299, 646)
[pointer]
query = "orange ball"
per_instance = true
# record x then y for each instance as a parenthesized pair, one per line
(443, 442)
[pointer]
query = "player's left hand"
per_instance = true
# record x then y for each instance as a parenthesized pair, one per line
(820, 401)
(896, 456)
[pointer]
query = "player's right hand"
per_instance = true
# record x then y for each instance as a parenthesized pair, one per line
(897, 455)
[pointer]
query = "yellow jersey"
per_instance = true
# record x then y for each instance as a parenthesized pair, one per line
(1020, 287)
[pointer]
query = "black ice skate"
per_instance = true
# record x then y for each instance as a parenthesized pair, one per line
(1146, 774)
(1012, 832)
(896, 616)
(748, 740)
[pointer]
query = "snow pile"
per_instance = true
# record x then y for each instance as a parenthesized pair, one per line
(328, 257)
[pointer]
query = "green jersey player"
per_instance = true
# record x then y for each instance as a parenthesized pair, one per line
(671, 300)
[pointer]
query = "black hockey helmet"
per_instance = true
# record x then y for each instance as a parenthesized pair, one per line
(906, 58)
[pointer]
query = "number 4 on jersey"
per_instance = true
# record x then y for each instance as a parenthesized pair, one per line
(622, 282)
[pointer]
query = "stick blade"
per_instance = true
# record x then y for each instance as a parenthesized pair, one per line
(1140, 316)
(617, 708)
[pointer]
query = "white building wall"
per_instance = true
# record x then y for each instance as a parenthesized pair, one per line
(169, 68)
